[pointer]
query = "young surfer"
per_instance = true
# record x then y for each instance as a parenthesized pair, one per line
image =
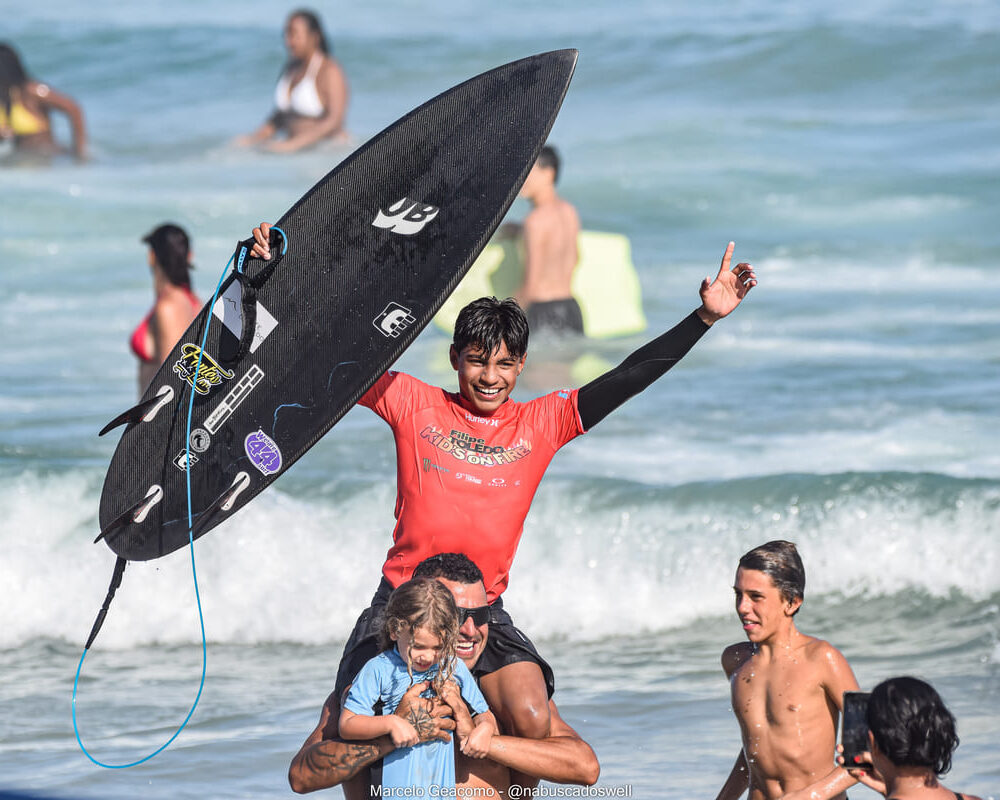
(787, 687)
(469, 462)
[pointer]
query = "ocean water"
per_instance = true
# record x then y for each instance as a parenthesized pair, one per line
(851, 150)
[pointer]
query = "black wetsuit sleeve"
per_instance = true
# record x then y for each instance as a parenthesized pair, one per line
(604, 394)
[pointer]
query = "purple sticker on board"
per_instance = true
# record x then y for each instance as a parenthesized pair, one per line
(263, 452)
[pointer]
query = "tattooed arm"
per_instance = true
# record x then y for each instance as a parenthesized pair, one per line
(326, 760)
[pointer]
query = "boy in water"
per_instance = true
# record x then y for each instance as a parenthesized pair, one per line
(550, 232)
(787, 687)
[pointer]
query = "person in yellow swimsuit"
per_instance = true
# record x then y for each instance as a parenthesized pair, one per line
(25, 105)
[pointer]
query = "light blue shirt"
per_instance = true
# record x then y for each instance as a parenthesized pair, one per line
(425, 764)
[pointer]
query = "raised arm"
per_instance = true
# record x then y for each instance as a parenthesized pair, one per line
(50, 98)
(561, 757)
(719, 298)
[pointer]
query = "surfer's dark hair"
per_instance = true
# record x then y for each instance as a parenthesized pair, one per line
(456, 567)
(172, 248)
(487, 323)
(311, 19)
(549, 157)
(780, 561)
(422, 603)
(911, 724)
(12, 74)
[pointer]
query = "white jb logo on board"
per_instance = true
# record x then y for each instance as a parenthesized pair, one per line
(406, 216)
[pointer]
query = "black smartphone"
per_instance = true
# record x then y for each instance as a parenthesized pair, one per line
(854, 728)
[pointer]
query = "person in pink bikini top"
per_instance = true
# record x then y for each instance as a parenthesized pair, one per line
(175, 306)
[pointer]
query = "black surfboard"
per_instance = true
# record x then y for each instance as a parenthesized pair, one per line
(370, 254)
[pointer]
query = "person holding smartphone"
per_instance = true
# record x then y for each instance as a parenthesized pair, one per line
(911, 739)
(787, 687)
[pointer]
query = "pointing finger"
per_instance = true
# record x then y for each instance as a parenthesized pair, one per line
(727, 257)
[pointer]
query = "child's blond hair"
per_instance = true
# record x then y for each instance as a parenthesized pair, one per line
(422, 603)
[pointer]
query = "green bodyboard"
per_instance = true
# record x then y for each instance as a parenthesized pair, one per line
(605, 283)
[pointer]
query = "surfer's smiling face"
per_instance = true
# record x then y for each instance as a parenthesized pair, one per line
(471, 637)
(486, 380)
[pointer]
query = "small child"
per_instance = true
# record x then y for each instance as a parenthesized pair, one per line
(421, 620)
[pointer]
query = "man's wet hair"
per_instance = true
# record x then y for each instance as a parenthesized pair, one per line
(456, 567)
(780, 561)
(549, 157)
(487, 323)
(911, 724)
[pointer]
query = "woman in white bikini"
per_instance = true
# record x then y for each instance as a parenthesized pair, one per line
(311, 96)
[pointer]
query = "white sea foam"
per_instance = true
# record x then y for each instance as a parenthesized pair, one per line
(594, 561)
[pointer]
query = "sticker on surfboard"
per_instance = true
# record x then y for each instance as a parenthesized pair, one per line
(263, 452)
(394, 320)
(406, 216)
(231, 401)
(229, 310)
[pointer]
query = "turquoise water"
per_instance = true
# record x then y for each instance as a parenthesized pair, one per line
(853, 155)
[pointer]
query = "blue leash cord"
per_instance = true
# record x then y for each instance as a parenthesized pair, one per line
(194, 570)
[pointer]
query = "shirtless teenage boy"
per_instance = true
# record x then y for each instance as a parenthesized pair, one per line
(787, 687)
(550, 232)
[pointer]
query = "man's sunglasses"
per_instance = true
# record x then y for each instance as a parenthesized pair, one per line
(480, 616)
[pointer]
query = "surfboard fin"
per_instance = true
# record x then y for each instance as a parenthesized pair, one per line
(116, 581)
(144, 411)
(136, 513)
(224, 502)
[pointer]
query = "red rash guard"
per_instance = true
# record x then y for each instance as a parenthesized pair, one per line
(464, 483)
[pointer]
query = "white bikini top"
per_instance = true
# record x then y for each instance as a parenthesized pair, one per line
(302, 99)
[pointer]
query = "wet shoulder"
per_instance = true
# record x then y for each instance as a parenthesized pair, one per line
(820, 650)
(735, 656)
(830, 663)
